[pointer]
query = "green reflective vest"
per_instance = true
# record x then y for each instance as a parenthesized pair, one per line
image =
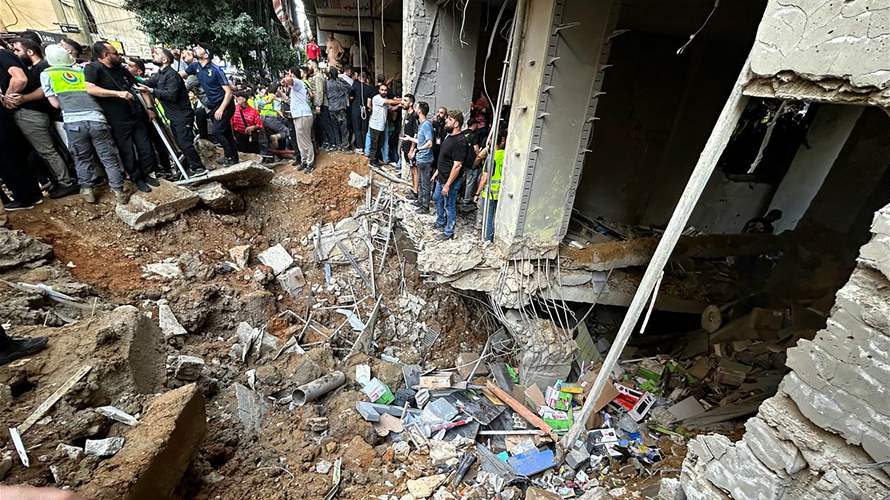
(70, 88)
(494, 184)
(265, 105)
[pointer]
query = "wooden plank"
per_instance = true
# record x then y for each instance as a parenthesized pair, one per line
(53, 399)
(520, 408)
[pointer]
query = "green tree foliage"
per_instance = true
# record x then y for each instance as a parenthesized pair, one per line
(246, 31)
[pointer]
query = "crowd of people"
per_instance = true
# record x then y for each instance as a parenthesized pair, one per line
(71, 124)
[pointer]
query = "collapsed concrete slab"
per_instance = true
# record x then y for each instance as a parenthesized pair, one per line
(219, 199)
(164, 203)
(157, 451)
(240, 175)
(17, 248)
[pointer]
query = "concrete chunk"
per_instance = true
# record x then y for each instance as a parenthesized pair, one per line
(219, 199)
(103, 447)
(167, 321)
(188, 368)
(239, 175)
(252, 408)
(241, 255)
(164, 203)
(292, 281)
(277, 258)
(157, 451)
(17, 248)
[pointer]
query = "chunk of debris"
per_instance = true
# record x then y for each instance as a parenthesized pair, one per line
(157, 452)
(323, 466)
(103, 447)
(188, 368)
(5, 465)
(424, 487)
(292, 281)
(240, 175)
(167, 270)
(117, 415)
(219, 199)
(252, 408)
(164, 203)
(240, 255)
(357, 180)
(17, 248)
(72, 452)
(167, 321)
(277, 258)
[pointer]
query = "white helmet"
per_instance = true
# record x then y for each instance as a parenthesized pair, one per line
(56, 55)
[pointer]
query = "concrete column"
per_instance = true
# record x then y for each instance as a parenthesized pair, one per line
(827, 135)
(438, 62)
(564, 45)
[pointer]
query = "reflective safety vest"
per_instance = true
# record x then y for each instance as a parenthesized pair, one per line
(70, 87)
(266, 108)
(494, 184)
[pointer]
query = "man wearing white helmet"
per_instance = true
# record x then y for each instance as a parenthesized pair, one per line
(85, 125)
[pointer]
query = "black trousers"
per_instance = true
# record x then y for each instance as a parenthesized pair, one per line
(132, 139)
(359, 127)
(161, 153)
(221, 130)
(201, 122)
(329, 130)
(14, 171)
(376, 135)
(181, 125)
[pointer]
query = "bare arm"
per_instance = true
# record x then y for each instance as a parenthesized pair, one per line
(225, 103)
(54, 101)
(455, 171)
(17, 80)
(482, 182)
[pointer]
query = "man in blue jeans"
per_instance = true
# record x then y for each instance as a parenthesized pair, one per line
(449, 175)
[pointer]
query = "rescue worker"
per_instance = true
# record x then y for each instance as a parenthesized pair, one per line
(495, 188)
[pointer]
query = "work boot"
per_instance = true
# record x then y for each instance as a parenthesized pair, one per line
(13, 348)
(411, 195)
(444, 237)
(62, 191)
(120, 197)
(142, 186)
(88, 195)
(151, 181)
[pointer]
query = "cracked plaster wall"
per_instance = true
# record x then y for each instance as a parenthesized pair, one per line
(828, 427)
(832, 50)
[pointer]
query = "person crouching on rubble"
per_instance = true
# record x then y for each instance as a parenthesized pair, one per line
(250, 136)
(85, 124)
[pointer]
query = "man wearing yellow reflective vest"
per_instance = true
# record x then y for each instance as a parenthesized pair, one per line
(270, 114)
(495, 188)
(85, 124)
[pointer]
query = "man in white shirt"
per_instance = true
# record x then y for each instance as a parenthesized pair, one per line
(379, 105)
(301, 112)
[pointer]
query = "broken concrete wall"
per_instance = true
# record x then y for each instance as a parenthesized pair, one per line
(835, 50)
(441, 71)
(829, 424)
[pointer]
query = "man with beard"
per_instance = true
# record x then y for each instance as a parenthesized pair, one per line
(379, 105)
(220, 100)
(169, 88)
(439, 130)
(449, 175)
(359, 94)
(109, 82)
(33, 116)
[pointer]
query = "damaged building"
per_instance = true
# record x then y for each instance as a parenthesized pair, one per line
(687, 294)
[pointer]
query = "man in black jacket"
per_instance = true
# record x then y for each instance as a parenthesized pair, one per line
(169, 88)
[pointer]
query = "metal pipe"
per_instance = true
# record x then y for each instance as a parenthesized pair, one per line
(518, 21)
(317, 388)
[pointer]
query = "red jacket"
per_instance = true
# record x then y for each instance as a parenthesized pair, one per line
(245, 117)
(312, 51)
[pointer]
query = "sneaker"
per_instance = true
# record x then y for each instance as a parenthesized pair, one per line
(411, 195)
(88, 195)
(310, 168)
(151, 181)
(62, 191)
(17, 205)
(422, 210)
(142, 186)
(120, 197)
(197, 172)
(16, 348)
(444, 237)
(230, 161)
(302, 167)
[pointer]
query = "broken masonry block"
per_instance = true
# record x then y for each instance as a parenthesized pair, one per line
(219, 199)
(117, 415)
(188, 368)
(240, 175)
(292, 281)
(103, 447)
(277, 258)
(241, 255)
(167, 321)
(157, 452)
(164, 203)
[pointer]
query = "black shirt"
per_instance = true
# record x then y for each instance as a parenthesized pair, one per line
(115, 78)
(412, 123)
(454, 148)
(170, 89)
(33, 73)
(470, 136)
(7, 60)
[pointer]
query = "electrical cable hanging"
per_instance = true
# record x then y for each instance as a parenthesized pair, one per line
(363, 107)
(692, 36)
